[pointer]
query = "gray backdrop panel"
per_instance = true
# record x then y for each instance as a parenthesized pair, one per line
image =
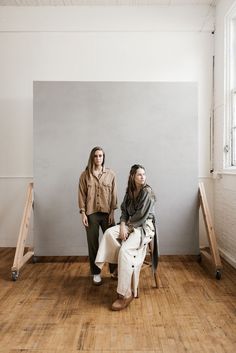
(153, 123)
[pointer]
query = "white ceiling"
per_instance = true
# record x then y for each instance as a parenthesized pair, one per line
(104, 2)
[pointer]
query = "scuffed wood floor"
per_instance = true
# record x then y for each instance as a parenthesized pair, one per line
(54, 308)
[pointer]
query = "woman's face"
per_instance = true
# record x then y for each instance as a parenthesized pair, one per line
(98, 158)
(140, 177)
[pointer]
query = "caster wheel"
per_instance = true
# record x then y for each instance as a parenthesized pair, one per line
(218, 274)
(14, 275)
(199, 258)
(34, 259)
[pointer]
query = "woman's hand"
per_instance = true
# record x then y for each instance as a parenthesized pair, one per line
(123, 231)
(111, 219)
(84, 219)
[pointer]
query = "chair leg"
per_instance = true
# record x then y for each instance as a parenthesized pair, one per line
(150, 263)
(156, 279)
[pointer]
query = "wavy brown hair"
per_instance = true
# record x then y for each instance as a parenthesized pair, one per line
(89, 167)
(131, 187)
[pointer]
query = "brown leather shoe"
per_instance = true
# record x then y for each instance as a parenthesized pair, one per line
(121, 303)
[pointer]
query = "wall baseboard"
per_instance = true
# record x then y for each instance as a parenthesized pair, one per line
(228, 257)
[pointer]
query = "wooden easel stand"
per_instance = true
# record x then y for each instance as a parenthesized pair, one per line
(20, 258)
(210, 259)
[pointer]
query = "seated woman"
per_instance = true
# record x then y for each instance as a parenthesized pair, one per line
(126, 243)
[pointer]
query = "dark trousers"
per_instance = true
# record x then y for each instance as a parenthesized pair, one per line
(96, 220)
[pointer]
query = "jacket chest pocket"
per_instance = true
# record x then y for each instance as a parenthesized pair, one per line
(106, 190)
(106, 185)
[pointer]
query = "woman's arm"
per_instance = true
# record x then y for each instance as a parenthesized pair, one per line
(144, 207)
(84, 219)
(82, 192)
(113, 204)
(124, 219)
(124, 213)
(123, 231)
(82, 198)
(111, 218)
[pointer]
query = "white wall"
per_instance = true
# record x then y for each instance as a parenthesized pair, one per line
(224, 184)
(153, 43)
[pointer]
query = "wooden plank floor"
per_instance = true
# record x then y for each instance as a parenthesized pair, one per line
(54, 308)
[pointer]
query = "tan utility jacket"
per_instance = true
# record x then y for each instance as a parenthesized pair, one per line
(97, 194)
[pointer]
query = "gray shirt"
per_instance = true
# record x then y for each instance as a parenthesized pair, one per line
(137, 211)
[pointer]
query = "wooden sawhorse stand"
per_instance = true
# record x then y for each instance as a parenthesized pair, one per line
(210, 259)
(20, 258)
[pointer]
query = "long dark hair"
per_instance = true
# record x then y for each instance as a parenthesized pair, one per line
(89, 167)
(131, 187)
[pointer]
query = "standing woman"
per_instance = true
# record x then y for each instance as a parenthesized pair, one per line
(97, 202)
(126, 243)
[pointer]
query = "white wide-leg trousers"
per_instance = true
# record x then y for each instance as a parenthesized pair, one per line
(129, 255)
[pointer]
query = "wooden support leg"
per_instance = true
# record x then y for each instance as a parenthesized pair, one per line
(20, 258)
